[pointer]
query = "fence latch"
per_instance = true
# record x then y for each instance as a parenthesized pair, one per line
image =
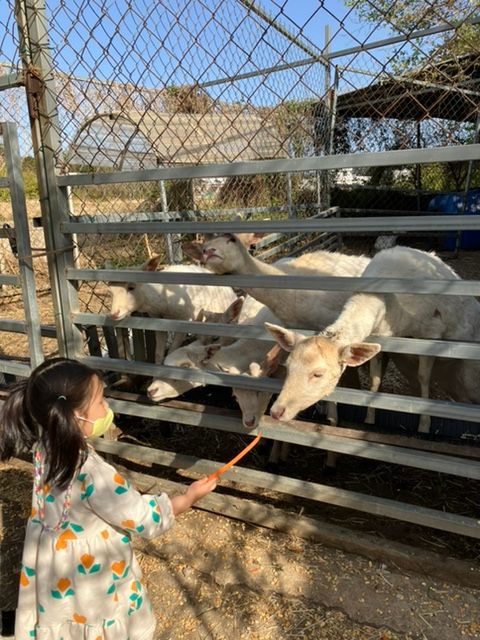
(35, 87)
(12, 238)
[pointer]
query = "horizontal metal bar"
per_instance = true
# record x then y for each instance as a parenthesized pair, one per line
(360, 448)
(15, 368)
(459, 153)
(188, 214)
(377, 285)
(407, 404)
(410, 346)
(228, 420)
(421, 33)
(287, 66)
(20, 326)
(395, 224)
(9, 279)
(11, 80)
(437, 348)
(312, 491)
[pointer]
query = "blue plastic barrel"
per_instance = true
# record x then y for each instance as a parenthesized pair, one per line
(452, 204)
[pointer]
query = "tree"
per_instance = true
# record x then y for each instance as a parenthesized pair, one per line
(406, 16)
(449, 58)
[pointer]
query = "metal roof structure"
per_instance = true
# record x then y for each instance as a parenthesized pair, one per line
(449, 90)
(132, 140)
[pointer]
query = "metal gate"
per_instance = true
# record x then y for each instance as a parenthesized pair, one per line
(63, 229)
(19, 240)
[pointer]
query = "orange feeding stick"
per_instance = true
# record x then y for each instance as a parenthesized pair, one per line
(234, 460)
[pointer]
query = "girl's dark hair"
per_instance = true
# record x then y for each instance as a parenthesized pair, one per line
(41, 409)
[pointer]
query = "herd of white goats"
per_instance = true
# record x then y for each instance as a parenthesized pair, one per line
(341, 323)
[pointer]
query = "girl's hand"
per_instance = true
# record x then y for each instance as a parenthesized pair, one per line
(200, 488)
(195, 491)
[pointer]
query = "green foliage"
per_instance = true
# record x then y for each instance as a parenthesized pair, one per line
(405, 16)
(253, 191)
(29, 179)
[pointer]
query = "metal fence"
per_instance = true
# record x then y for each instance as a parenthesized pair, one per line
(23, 280)
(151, 125)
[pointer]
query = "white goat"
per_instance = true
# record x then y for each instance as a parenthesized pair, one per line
(191, 356)
(316, 363)
(296, 308)
(313, 309)
(253, 404)
(174, 301)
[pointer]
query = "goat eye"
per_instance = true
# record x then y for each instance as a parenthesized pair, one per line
(130, 287)
(317, 374)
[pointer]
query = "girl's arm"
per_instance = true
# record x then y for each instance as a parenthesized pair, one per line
(194, 492)
(114, 500)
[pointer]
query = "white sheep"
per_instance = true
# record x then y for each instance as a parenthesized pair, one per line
(238, 354)
(316, 309)
(316, 363)
(173, 301)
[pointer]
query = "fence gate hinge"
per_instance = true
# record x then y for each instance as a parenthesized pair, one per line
(35, 86)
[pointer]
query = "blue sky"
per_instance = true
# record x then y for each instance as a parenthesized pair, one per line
(186, 40)
(174, 42)
(158, 43)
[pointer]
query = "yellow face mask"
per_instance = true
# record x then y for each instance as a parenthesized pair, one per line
(100, 425)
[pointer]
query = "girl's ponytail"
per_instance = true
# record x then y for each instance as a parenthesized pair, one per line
(17, 433)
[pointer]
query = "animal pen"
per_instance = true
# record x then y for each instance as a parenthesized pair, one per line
(157, 124)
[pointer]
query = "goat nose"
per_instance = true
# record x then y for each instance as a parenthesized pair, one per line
(151, 391)
(114, 314)
(277, 412)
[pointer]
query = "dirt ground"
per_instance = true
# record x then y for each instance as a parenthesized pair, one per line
(212, 577)
(215, 578)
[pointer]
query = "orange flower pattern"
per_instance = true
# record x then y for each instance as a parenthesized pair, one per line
(67, 574)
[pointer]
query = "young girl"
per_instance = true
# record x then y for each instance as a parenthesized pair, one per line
(80, 578)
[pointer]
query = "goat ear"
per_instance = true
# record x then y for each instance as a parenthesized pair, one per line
(286, 338)
(200, 317)
(151, 264)
(193, 249)
(230, 316)
(211, 350)
(272, 360)
(353, 355)
(249, 239)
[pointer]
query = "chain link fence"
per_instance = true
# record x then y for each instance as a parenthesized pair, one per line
(98, 87)
(191, 83)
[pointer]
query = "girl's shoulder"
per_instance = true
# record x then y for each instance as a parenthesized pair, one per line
(94, 463)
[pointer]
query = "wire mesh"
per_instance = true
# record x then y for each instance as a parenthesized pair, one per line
(191, 82)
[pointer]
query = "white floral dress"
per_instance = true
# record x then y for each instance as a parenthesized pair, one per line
(82, 581)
